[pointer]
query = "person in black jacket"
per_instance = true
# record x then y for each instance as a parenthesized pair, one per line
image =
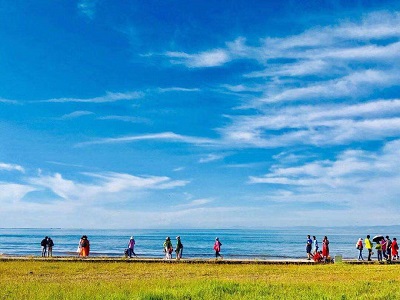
(50, 245)
(44, 244)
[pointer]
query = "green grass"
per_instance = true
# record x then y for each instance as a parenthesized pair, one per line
(34, 279)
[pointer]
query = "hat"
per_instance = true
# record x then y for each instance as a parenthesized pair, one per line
(216, 239)
(131, 237)
(178, 237)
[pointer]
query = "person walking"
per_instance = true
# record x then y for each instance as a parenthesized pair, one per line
(179, 248)
(217, 248)
(308, 247)
(168, 248)
(315, 245)
(50, 245)
(360, 248)
(131, 247)
(325, 247)
(368, 245)
(43, 243)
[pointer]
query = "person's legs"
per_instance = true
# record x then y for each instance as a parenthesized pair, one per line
(369, 254)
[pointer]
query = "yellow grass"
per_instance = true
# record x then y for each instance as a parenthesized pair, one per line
(33, 279)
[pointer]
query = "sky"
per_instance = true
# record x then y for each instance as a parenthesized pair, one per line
(199, 114)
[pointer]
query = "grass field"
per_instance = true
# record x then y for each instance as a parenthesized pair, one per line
(37, 279)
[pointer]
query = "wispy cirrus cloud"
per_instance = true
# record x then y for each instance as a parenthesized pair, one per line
(212, 58)
(346, 40)
(129, 119)
(108, 97)
(11, 167)
(102, 185)
(8, 101)
(87, 8)
(322, 124)
(353, 172)
(211, 157)
(76, 114)
(178, 89)
(165, 136)
(195, 203)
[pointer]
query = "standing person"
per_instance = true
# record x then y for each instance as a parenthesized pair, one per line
(315, 244)
(308, 247)
(378, 248)
(389, 248)
(179, 248)
(50, 245)
(395, 249)
(85, 246)
(43, 243)
(368, 245)
(131, 247)
(79, 250)
(217, 248)
(168, 248)
(325, 247)
(383, 243)
(360, 247)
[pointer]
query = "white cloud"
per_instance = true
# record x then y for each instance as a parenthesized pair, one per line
(322, 124)
(212, 58)
(109, 97)
(7, 101)
(353, 171)
(211, 157)
(76, 114)
(178, 89)
(11, 167)
(129, 119)
(12, 192)
(352, 85)
(103, 186)
(87, 8)
(195, 203)
(167, 136)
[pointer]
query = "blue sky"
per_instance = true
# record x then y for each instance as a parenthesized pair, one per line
(199, 114)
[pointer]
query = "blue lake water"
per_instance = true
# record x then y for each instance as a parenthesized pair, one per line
(236, 243)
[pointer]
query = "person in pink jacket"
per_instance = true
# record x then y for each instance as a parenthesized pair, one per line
(217, 248)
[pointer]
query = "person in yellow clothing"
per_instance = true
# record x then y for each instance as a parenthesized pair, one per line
(378, 249)
(368, 245)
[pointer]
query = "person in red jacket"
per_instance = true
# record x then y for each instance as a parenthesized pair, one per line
(325, 247)
(395, 249)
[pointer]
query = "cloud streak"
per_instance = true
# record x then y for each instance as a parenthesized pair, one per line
(11, 167)
(164, 136)
(108, 97)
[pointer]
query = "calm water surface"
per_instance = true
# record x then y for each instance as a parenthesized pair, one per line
(236, 243)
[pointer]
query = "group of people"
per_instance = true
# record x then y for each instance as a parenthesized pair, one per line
(168, 248)
(47, 246)
(385, 248)
(84, 247)
(313, 251)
